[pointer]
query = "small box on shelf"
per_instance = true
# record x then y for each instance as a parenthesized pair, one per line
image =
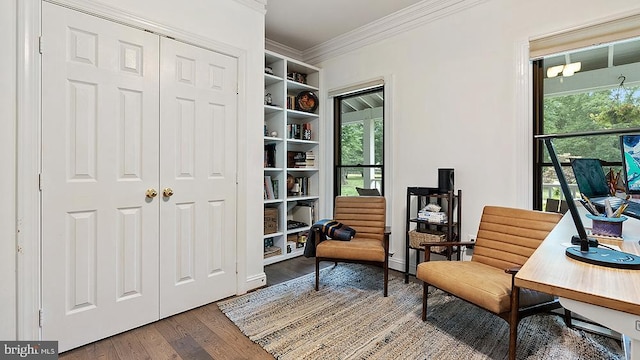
(297, 77)
(270, 220)
(297, 240)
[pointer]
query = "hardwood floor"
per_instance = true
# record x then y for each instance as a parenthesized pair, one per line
(201, 333)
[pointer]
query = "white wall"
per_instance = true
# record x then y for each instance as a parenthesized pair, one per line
(455, 102)
(228, 22)
(8, 165)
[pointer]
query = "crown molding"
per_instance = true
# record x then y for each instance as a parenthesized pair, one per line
(406, 19)
(258, 5)
(283, 49)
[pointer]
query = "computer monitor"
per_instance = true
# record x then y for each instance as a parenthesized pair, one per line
(630, 148)
(590, 177)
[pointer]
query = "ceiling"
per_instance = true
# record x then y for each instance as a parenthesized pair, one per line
(325, 20)
(303, 25)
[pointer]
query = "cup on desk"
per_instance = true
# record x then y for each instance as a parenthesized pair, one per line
(607, 226)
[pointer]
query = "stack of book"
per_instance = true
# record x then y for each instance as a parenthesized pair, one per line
(272, 251)
(300, 159)
(432, 216)
(310, 159)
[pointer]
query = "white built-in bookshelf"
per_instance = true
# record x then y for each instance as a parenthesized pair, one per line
(291, 124)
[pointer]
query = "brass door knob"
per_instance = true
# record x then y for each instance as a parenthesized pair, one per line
(167, 192)
(151, 193)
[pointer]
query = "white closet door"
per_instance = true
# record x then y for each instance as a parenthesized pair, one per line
(198, 118)
(100, 135)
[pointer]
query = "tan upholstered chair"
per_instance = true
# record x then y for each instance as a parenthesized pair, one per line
(366, 215)
(506, 238)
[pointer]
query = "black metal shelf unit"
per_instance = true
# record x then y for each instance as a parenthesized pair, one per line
(451, 203)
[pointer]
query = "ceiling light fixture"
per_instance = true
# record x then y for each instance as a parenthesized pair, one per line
(566, 70)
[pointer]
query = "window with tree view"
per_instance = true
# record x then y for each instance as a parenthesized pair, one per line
(600, 92)
(359, 142)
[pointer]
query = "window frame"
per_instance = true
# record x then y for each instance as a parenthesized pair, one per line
(337, 140)
(539, 149)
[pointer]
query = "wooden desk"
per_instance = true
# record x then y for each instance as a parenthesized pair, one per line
(603, 294)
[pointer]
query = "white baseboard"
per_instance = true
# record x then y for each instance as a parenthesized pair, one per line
(253, 282)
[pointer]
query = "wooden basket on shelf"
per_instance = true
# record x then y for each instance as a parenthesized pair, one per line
(418, 237)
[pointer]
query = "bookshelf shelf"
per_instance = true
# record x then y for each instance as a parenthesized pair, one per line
(291, 140)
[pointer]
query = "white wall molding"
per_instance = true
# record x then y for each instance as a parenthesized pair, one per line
(283, 49)
(396, 23)
(125, 18)
(255, 282)
(258, 5)
(523, 117)
(28, 168)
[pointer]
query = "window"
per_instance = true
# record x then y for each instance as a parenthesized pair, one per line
(604, 94)
(359, 141)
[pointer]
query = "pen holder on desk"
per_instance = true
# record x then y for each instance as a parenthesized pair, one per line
(607, 226)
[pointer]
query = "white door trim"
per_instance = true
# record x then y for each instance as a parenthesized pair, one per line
(28, 164)
(28, 144)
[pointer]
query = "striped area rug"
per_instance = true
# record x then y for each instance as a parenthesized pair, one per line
(350, 319)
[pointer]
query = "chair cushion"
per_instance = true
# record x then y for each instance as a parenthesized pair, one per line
(486, 286)
(359, 248)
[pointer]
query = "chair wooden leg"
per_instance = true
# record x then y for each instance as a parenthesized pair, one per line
(386, 278)
(567, 318)
(425, 292)
(513, 322)
(317, 274)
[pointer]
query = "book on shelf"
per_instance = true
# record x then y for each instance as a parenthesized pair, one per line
(275, 189)
(310, 159)
(268, 185)
(306, 131)
(432, 216)
(270, 156)
(299, 131)
(291, 102)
